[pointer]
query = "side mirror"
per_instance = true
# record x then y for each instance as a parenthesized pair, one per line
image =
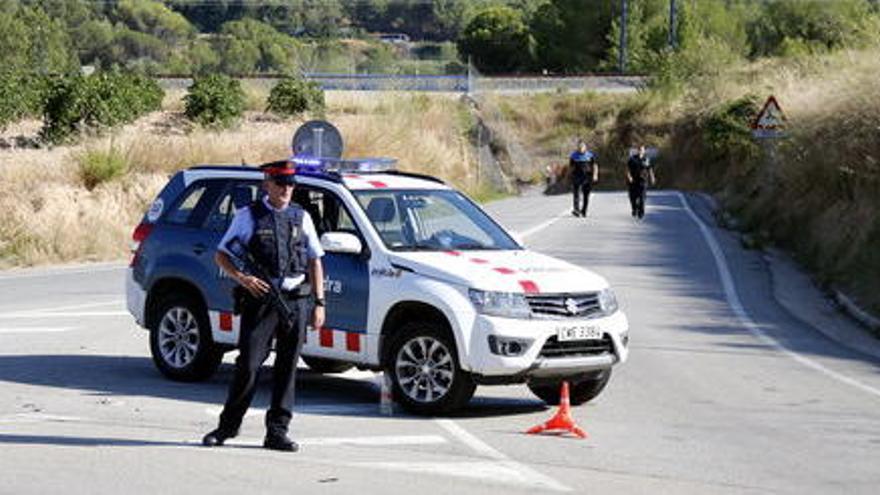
(341, 243)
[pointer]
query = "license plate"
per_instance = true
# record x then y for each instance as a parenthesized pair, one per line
(583, 332)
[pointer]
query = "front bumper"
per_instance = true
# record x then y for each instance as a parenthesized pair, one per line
(532, 363)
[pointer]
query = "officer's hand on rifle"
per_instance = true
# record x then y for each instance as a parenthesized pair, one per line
(254, 285)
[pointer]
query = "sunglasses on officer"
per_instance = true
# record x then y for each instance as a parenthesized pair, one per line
(283, 181)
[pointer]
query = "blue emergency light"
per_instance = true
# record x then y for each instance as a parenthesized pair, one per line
(315, 166)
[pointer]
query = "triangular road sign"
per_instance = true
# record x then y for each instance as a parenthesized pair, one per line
(770, 117)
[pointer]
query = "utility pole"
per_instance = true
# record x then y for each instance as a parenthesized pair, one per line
(672, 14)
(621, 62)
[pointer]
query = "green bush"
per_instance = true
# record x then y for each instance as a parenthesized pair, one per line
(215, 100)
(96, 167)
(727, 131)
(21, 95)
(293, 96)
(101, 100)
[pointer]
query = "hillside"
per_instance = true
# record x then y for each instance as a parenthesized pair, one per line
(49, 215)
(815, 193)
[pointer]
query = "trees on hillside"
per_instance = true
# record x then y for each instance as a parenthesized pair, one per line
(497, 40)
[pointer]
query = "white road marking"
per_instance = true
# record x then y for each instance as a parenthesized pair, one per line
(485, 471)
(541, 226)
(375, 441)
(743, 316)
(515, 471)
(74, 314)
(64, 311)
(35, 417)
(75, 270)
(22, 330)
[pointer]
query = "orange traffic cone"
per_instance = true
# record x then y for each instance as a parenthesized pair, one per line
(562, 420)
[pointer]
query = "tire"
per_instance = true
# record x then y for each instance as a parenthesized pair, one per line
(413, 389)
(322, 365)
(184, 351)
(580, 391)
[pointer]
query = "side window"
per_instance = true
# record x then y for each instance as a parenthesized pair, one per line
(326, 209)
(237, 195)
(184, 210)
(383, 212)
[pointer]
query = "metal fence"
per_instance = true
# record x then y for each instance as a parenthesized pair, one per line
(469, 83)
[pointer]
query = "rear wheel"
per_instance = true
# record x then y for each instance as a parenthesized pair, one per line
(180, 340)
(425, 373)
(581, 391)
(323, 365)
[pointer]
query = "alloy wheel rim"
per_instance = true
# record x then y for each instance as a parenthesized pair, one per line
(425, 369)
(178, 337)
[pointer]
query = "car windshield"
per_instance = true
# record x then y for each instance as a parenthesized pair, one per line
(431, 220)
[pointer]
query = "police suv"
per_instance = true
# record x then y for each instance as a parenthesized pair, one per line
(420, 283)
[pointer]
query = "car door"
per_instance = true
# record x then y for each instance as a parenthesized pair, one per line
(346, 280)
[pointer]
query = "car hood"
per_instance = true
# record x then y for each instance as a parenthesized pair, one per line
(506, 271)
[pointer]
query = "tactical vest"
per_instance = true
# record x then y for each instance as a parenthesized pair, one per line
(278, 243)
(582, 163)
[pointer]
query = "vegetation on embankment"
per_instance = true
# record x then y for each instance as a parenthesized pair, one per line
(80, 201)
(817, 194)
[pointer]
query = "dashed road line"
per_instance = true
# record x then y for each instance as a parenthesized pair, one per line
(513, 471)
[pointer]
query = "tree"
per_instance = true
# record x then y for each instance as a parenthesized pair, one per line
(497, 40)
(572, 35)
(32, 40)
(154, 18)
(250, 45)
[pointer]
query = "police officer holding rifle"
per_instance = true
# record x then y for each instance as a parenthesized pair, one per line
(281, 289)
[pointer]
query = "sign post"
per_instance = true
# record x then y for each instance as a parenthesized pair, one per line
(767, 128)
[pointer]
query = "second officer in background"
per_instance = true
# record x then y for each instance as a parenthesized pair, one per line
(584, 173)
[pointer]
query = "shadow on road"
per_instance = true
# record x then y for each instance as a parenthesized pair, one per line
(136, 376)
(666, 250)
(85, 441)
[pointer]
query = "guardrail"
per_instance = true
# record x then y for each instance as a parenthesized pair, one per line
(454, 83)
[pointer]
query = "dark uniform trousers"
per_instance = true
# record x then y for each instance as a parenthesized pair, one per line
(638, 191)
(260, 322)
(581, 190)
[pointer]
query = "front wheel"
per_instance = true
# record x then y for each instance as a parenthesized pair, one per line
(180, 340)
(580, 391)
(426, 376)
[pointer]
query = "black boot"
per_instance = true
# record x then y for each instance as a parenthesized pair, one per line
(217, 437)
(274, 441)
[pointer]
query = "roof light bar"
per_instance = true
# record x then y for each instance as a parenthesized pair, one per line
(308, 164)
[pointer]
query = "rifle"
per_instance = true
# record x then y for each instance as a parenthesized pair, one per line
(276, 298)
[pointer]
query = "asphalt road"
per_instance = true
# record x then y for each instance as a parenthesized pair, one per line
(725, 390)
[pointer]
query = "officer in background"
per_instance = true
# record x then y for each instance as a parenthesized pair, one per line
(584, 173)
(639, 172)
(281, 238)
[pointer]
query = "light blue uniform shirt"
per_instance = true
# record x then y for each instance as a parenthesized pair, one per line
(242, 228)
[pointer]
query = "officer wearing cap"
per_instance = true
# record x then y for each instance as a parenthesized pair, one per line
(281, 238)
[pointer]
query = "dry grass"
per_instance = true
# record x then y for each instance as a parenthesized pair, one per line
(47, 215)
(824, 202)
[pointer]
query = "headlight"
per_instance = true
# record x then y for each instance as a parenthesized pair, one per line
(504, 304)
(608, 302)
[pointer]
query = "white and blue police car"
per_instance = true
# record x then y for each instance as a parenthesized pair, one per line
(420, 283)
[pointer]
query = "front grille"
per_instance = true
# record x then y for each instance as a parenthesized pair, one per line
(553, 348)
(565, 305)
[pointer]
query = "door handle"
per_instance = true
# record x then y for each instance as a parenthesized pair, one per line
(199, 248)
